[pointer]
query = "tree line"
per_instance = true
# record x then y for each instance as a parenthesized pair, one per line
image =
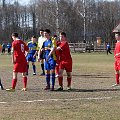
(60, 15)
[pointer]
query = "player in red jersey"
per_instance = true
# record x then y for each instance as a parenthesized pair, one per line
(19, 60)
(117, 58)
(65, 61)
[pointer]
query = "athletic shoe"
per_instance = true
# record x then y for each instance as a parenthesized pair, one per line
(34, 73)
(115, 85)
(10, 90)
(24, 89)
(52, 89)
(68, 88)
(47, 88)
(60, 89)
(42, 74)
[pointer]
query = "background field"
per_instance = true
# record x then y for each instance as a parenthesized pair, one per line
(92, 97)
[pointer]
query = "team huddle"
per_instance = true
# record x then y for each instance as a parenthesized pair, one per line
(54, 55)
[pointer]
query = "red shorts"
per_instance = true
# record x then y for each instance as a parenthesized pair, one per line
(20, 67)
(66, 65)
(117, 65)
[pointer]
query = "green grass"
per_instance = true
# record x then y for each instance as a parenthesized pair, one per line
(93, 75)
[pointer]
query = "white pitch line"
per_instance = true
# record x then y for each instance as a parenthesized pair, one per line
(56, 100)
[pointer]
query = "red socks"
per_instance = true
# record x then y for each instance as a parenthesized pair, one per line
(25, 82)
(117, 78)
(60, 80)
(14, 81)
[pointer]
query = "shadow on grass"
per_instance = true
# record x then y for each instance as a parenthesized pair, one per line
(92, 76)
(89, 90)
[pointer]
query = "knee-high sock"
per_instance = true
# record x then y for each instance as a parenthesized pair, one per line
(24, 81)
(14, 81)
(48, 79)
(34, 68)
(27, 68)
(68, 81)
(60, 80)
(42, 66)
(117, 78)
(53, 80)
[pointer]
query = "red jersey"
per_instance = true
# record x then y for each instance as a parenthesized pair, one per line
(19, 50)
(117, 50)
(65, 52)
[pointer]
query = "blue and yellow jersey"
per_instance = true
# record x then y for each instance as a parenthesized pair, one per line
(47, 45)
(33, 47)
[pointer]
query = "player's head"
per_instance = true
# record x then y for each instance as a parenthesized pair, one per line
(55, 37)
(47, 33)
(117, 36)
(41, 32)
(62, 36)
(14, 35)
(33, 38)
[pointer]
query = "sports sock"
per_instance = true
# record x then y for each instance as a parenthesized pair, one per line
(14, 81)
(42, 66)
(48, 80)
(53, 80)
(34, 68)
(69, 81)
(24, 81)
(117, 78)
(60, 80)
(27, 68)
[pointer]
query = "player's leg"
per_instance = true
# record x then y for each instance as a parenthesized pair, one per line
(47, 80)
(60, 79)
(69, 77)
(117, 67)
(24, 79)
(14, 81)
(33, 65)
(42, 67)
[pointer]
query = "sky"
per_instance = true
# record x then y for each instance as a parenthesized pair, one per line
(24, 1)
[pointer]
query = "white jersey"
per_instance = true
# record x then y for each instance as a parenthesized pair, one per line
(41, 41)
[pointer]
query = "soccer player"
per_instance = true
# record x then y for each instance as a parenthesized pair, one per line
(3, 48)
(108, 48)
(49, 47)
(31, 56)
(65, 61)
(57, 55)
(41, 39)
(9, 48)
(19, 61)
(117, 58)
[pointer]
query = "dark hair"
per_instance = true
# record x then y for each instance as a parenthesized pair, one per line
(54, 35)
(33, 36)
(47, 30)
(41, 30)
(63, 33)
(15, 34)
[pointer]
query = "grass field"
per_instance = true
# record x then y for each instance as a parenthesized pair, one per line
(92, 97)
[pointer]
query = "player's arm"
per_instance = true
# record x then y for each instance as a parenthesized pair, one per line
(52, 49)
(12, 52)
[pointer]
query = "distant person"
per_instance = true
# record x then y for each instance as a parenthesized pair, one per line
(41, 39)
(108, 48)
(19, 61)
(31, 56)
(3, 48)
(65, 61)
(117, 59)
(9, 48)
